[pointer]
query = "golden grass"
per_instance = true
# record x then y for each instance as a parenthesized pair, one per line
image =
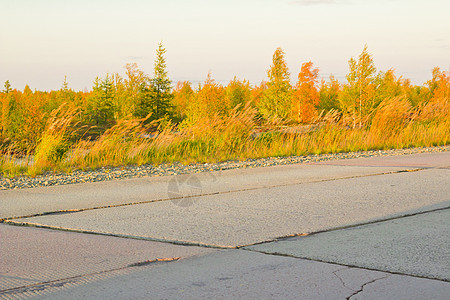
(11, 164)
(54, 142)
(394, 124)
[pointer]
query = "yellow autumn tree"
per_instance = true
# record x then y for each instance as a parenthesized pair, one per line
(258, 93)
(276, 101)
(238, 92)
(438, 107)
(182, 96)
(329, 94)
(357, 97)
(439, 85)
(208, 102)
(133, 83)
(388, 86)
(306, 96)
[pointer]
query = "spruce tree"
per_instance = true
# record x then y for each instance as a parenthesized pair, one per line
(100, 104)
(7, 87)
(156, 97)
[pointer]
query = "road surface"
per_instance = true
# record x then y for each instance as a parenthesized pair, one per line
(369, 228)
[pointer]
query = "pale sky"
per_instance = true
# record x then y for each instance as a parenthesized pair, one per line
(41, 41)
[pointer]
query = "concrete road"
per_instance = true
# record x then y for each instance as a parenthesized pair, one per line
(35, 255)
(248, 275)
(359, 229)
(34, 201)
(247, 217)
(416, 245)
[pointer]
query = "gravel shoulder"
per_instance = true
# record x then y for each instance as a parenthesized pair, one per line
(133, 171)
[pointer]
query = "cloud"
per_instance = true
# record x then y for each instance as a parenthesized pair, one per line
(315, 2)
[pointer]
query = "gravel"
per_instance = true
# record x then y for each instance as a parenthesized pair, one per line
(133, 171)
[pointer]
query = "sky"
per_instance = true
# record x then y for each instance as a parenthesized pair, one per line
(42, 41)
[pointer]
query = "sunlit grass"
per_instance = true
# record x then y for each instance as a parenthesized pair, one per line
(394, 125)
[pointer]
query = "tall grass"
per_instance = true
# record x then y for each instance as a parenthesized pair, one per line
(12, 163)
(394, 124)
(54, 143)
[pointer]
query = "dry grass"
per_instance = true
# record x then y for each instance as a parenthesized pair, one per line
(395, 124)
(11, 163)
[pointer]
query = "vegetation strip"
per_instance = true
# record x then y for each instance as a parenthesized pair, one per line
(149, 170)
(139, 119)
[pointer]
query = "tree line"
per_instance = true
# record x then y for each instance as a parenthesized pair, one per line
(153, 99)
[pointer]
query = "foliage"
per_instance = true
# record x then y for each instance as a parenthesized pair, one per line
(391, 115)
(183, 94)
(55, 140)
(209, 101)
(387, 86)
(357, 97)
(132, 86)
(238, 93)
(276, 101)
(439, 85)
(156, 96)
(100, 107)
(7, 87)
(306, 96)
(329, 94)
(137, 119)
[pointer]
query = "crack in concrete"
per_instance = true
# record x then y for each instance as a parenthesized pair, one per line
(340, 279)
(64, 211)
(199, 244)
(369, 222)
(365, 284)
(174, 242)
(342, 264)
(37, 287)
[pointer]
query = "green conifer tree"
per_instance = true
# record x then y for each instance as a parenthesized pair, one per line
(100, 107)
(7, 87)
(156, 97)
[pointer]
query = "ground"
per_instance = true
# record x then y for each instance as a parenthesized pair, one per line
(359, 228)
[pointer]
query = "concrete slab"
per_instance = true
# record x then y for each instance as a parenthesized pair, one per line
(243, 218)
(238, 207)
(28, 202)
(416, 245)
(422, 160)
(30, 256)
(247, 275)
(402, 287)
